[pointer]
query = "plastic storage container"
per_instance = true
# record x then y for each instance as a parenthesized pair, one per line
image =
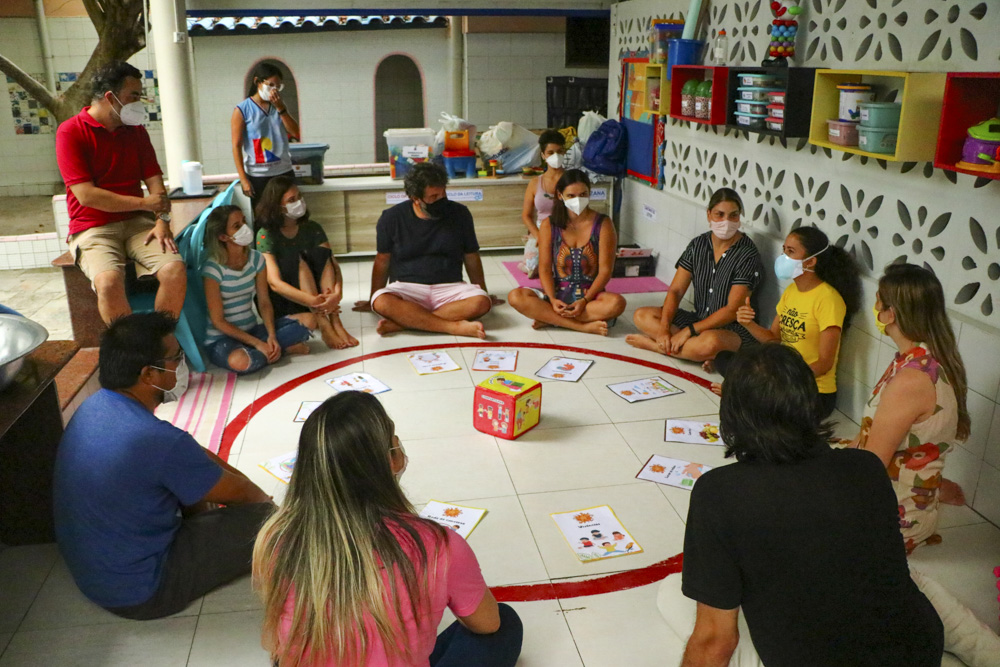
(408, 147)
(880, 114)
(660, 34)
(777, 110)
(754, 94)
(755, 80)
(191, 178)
(751, 121)
(842, 133)
(776, 124)
(307, 162)
(684, 52)
(688, 92)
(777, 97)
(877, 139)
(752, 107)
(703, 100)
(851, 97)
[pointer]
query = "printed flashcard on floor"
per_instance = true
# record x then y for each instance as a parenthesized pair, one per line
(694, 432)
(595, 534)
(672, 472)
(428, 363)
(281, 466)
(645, 389)
(463, 520)
(495, 360)
(357, 382)
(306, 409)
(564, 368)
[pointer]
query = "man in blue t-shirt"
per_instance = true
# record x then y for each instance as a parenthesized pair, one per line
(136, 498)
(421, 246)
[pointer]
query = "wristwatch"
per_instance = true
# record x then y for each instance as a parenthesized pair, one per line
(693, 331)
(165, 217)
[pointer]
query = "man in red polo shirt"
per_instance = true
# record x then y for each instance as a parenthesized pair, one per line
(104, 156)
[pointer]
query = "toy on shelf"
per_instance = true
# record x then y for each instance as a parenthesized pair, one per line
(981, 150)
(458, 162)
(784, 29)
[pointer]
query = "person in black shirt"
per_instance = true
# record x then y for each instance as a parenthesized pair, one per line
(421, 246)
(725, 268)
(802, 538)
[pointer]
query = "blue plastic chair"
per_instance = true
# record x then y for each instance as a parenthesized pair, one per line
(193, 321)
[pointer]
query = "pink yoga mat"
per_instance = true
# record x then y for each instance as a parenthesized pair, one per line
(617, 285)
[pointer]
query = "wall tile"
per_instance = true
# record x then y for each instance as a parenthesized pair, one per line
(981, 411)
(987, 499)
(964, 468)
(992, 453)
(980, 350)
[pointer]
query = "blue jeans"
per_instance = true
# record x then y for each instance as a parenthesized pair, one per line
(289, 332)
(459, 647)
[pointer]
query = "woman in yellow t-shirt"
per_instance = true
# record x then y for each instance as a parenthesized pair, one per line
(815, 309)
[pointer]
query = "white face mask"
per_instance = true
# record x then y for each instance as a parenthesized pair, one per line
(243, 236)
(406, 460)
(265, 92)
(295, 209)
(133, 113)
(180, 385)
(724, 229)
(577, 204)
(556, 160)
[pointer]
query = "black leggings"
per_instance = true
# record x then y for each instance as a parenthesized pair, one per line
(827, 402)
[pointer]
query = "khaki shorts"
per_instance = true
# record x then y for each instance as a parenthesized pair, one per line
(107, 248)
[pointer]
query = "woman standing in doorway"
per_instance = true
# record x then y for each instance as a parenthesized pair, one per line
(540, 195)
(261, 128)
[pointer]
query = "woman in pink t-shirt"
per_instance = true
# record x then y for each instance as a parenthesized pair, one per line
(322, 562)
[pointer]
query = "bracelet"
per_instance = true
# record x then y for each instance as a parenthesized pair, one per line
(586, 300)
(692, 330)
(283, 112)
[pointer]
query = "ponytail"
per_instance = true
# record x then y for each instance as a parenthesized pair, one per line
(834, 266)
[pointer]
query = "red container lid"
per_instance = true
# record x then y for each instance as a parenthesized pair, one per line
(772, 119)
(776, 106)
(465, 153)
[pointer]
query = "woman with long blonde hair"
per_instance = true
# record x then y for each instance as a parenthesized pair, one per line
(917, 413)
(322, 563)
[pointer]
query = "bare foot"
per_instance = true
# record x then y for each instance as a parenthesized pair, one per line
(951, 493)
(348, 339)
(538, 324)
(643, 343)
(386, 327)
(332, 338)
(716, 388)
(298, 348)
(470, 329)
(708, 366)
(599, 327)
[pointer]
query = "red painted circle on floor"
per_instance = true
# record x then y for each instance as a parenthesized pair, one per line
(522, 593)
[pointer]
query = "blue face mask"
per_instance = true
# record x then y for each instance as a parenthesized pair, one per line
(786, 268)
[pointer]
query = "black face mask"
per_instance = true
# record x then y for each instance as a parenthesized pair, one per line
(435, 209)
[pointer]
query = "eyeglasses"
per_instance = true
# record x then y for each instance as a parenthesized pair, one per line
(280, 87)
(177, 358)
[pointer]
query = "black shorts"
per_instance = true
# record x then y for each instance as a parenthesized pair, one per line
(682, 318)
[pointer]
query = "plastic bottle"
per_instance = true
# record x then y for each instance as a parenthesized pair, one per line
(720, 48)
(688, 92)
(703, 100)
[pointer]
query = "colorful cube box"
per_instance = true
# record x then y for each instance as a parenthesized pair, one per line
(507, 405)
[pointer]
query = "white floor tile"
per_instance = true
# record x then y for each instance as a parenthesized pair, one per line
(691, 403)
(5, 638)
(161, 643)
(61, 605)
(954, 516)
(963, 563)
(567, 404)
(397, 372)
(468, 466)
(569, 458)
(23, 571)
(420, 415)
(504, 527)
(641, 508)
(622, 628)
(228, 639)
(987, 498)
(372, 342)
(237, 595)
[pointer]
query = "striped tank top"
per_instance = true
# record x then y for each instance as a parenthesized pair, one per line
(238, 287)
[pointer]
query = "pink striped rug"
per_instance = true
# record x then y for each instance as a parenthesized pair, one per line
(203, 409)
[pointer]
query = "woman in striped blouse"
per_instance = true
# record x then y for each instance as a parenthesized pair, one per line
(233, 275)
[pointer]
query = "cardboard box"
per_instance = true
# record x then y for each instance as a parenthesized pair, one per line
(507, 405)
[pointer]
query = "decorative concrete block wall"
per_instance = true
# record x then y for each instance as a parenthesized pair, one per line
(880, 210)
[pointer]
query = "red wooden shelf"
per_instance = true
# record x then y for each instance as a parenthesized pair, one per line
(969, 99)
(681, 74)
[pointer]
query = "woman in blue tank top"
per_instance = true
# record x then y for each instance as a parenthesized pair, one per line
(261, 128)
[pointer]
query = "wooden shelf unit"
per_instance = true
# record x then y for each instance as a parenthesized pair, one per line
(681, 74)
(921, 95)
(797, 83)
(969, 99)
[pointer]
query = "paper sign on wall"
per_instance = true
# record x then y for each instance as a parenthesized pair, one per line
(598, 194)
(465, 194)
(648, 212)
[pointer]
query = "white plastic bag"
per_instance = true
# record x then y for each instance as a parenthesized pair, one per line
(574, 156)
(451, 123)
(511, 145)
(529, 263)
(589, 121)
